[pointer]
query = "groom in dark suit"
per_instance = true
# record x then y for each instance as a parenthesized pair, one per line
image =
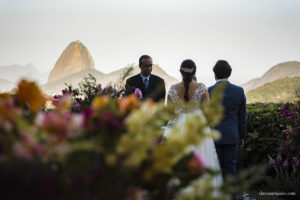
(233, 125)
(152, 86)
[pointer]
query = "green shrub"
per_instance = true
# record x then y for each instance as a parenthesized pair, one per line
(265, 127)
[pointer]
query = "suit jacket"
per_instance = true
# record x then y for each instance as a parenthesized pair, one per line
(233, 124)
(156, 87)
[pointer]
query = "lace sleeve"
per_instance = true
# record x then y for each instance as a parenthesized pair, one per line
(197, 97)
(172, 93)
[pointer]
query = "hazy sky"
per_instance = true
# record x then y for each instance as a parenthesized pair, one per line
(253, 35)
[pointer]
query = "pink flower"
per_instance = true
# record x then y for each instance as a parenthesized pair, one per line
(88, 112)
(20, 151)
(57, 124)
(76, 124)
(25, 138)
(138, 93)
(40, 149)
(109, 119)
(196, 163)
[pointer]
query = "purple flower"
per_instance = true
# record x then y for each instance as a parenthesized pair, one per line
(138, 93)
(77, 105)
(289, 113)
(278, 160)
(66, 92)
(295, 108)
(272, 162)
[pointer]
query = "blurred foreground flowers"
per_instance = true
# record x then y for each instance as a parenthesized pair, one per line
(100, 147)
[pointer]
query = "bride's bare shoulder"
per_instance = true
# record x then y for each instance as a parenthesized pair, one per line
(176, 85)
(201, 85)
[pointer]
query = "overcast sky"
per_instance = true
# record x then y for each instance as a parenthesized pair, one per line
(253, 35)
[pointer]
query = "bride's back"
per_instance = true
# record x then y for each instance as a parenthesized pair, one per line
(188, 90)
(197, 92)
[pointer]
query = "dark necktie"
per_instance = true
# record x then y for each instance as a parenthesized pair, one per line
(146, 83)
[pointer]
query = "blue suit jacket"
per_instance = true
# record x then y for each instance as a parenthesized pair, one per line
(233, 124)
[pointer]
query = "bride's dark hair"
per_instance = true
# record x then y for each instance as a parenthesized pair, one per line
(187, 70)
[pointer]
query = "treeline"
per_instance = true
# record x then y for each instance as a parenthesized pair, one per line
(283, 90)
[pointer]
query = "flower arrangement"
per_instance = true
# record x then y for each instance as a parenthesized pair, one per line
(110, 148)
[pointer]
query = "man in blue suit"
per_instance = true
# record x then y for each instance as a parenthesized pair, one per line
(233, 125)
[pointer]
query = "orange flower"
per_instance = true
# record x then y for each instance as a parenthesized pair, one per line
(7, 110)
(129, 103)
(29, 93)
(134, 194)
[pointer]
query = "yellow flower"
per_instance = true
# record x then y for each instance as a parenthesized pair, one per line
(111, 159)
(65, 103)
(100, 102)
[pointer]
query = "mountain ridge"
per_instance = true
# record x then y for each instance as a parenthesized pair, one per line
(5, 85)
(281, 90)
(15, 72)
(279, 71)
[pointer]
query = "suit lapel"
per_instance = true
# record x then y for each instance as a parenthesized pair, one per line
(151, 83)
(140, 84)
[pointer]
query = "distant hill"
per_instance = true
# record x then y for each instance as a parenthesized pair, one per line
(5, 85)
(282, 70)
(282, 90)
(104, 79)
(74, 58)
(74, 79)
(14, 73)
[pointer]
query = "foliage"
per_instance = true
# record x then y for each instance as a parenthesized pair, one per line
(89, 88)
(273, 135)
(282, 90)
(264, 132)
(119, 86)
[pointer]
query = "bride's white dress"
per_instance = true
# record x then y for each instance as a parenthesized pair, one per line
(207, 148)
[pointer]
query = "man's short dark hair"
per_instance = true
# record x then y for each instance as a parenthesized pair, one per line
(222, 69)
(143, 57)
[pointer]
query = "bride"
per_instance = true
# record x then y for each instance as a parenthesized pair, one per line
(191, 91)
